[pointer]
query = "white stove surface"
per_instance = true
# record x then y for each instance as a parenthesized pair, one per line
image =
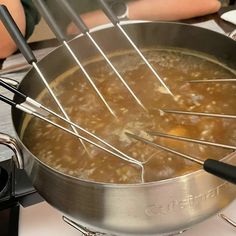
(43, 220)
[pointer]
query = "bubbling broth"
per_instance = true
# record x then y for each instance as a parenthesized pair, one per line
(65, 153)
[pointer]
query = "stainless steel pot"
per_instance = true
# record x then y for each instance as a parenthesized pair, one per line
(136, 209)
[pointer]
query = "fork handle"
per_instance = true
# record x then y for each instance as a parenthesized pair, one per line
(221, 169)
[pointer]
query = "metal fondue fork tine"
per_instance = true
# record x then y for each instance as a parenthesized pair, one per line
(89, 133)
(30, 111)
(41, 6)
(217, 168)
(211, 80)
(85, 30)
(35, 106)
(198, 141)
(214, 115)
(116, 22)
(16, 35)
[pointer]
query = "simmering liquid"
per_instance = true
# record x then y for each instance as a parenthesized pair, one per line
(65, 153)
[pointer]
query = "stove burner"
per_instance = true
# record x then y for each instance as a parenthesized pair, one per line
(86, 232)
(15, 190)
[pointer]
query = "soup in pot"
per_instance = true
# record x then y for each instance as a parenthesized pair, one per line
(64, 152)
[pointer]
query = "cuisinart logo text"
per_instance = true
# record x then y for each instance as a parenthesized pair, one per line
(189, 202)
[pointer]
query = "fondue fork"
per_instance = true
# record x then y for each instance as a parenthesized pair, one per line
(85, 30)
(198, 141)
(61, 37)
(213, 115)
(211, 80)
(33, 107)
(18, 38)
(116, 22)
(31, 111)
(217, 168)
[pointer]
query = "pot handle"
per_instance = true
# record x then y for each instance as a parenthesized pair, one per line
(12, 143)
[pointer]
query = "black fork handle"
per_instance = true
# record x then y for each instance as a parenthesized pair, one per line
(223, 170)
(7, 100)
(65, 5)
(108, 11)
(44, 11)
(12, 89)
